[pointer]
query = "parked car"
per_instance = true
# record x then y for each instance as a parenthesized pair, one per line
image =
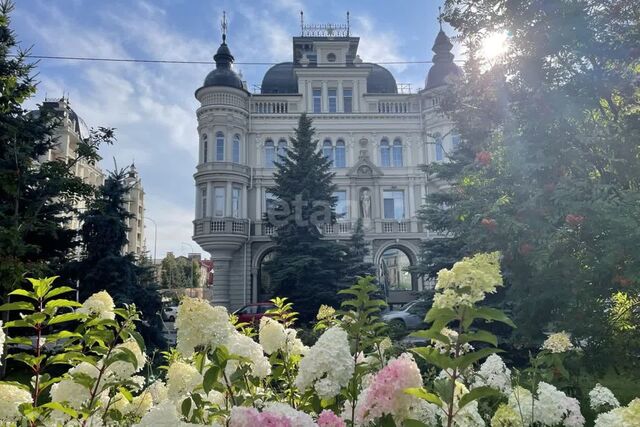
(169, 314)
(409, 317)
(252, 313)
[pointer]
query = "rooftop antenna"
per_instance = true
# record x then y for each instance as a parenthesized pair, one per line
(223, 26)
(348, 25)
(301, 23)
(440, 17)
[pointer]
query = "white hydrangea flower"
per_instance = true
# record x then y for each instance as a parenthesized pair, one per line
(328, 360)
(559, 342)
(272, 335)
(159, 392)
(182, 378)
(99, 304)
(162, 415)
(217, 398)
(138, 407)
(495, 374)
(123, 369)
(242, 345)
(200, 324)
(574, 416)
(551, 405)
(10, 398)
(452, 339)
(625, 416)
(293, 344)
(72, 392)
(521, 401)
(601, 398)
(467, 416)
(425, 412)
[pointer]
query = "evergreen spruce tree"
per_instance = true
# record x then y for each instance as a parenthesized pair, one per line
(36, 196)
(104, 266)
(355, 252)
(305, 267)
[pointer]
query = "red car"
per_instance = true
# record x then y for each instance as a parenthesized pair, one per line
(251, 313)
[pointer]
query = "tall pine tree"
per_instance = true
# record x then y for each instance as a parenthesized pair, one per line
(355, 251)
(305, 267)
(36, 196)
(104, 266)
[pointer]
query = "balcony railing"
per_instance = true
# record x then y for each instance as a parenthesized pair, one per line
(221, 226)
(346, 228)
(270, 107)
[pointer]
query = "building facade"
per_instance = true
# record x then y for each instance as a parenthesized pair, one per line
(69, 133)
(376, 137)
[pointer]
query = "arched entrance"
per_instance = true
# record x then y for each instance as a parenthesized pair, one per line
(265, 289)
(392, 274)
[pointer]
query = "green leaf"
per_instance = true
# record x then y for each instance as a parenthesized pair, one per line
(210, 378)
(62, 303)
(126, 393)
(433, 356)
(24, 293)
(186, 406)
(62, 408)
(66, 317)
(66, 358)
(57, 291)
(480, 335)
(18, 305)
(492, 314)
(409, 422)
(19, 323)
(465, 361)
(431, 334)
(20, 340)
(478, 393)
(437, 313)
(423, 394)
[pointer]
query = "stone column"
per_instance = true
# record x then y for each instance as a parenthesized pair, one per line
(340, 99)
(325, 98)
(221, 285)
(209, 211)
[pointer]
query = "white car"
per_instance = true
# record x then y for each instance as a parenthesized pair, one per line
(169, 314)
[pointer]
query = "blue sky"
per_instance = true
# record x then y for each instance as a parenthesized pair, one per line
(152, 105)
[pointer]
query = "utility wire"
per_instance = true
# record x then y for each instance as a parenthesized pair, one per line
(175, 61)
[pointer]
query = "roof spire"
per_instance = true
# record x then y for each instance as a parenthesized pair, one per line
(223, 26)
(348, 24)
(440, 17)
(301, 23)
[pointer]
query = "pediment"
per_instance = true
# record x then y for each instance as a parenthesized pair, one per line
(365, 168)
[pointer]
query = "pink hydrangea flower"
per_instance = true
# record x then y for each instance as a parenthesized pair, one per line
(386, 393)
(250, 417)
(328, 419)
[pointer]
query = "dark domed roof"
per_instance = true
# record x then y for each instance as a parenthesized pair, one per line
(380, 80)
(279, 79)
(443, 67)
(223, 75)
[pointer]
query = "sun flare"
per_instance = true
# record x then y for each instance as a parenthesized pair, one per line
(494, 45)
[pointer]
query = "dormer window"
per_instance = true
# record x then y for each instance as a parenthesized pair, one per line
(331, 57)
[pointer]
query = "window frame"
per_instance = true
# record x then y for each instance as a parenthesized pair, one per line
(327, 150)
(216, 199)
(237, 201)
(220, 141)
(203, 201)
(340, 161)
(397, 160)
(332, 100)
(316, 97)
(394, 198)
(235, 149)
(269, 153)
(342, 213)
(344, 100)
(205, 148)
(385, 153)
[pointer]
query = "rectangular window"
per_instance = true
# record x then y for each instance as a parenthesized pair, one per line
(455, 141)
(203, 201)
(220, 149)
(205, 151)
(218, 208)
(269, 201)
(347, 100)
(235, 202)
(393, 202)
(341, 203)
(333, 100)
(317, 100)
(236, 150)
(439, 150)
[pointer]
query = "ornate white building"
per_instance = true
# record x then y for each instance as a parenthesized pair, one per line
(376, 137)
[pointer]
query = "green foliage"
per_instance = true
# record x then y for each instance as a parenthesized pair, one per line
(305, 268)
(103, 266)
(86, 338)
(36, 195)
(179, 272)
(356, 250)
(548, 167)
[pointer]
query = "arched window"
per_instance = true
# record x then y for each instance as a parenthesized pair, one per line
(392, 271)
(397, 152)
(327, 149)
(385, 153)
(340, 155)
(205, 148)
(282, 148)
(235, 152)
(220, 147)
(269, 153)
(265, 287)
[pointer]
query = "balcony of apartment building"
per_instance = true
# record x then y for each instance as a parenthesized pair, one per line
(222, 226)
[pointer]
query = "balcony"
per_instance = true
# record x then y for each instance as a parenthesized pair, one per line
(222, 226)
(223, 168)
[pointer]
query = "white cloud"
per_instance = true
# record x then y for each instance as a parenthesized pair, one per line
(377, 45)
